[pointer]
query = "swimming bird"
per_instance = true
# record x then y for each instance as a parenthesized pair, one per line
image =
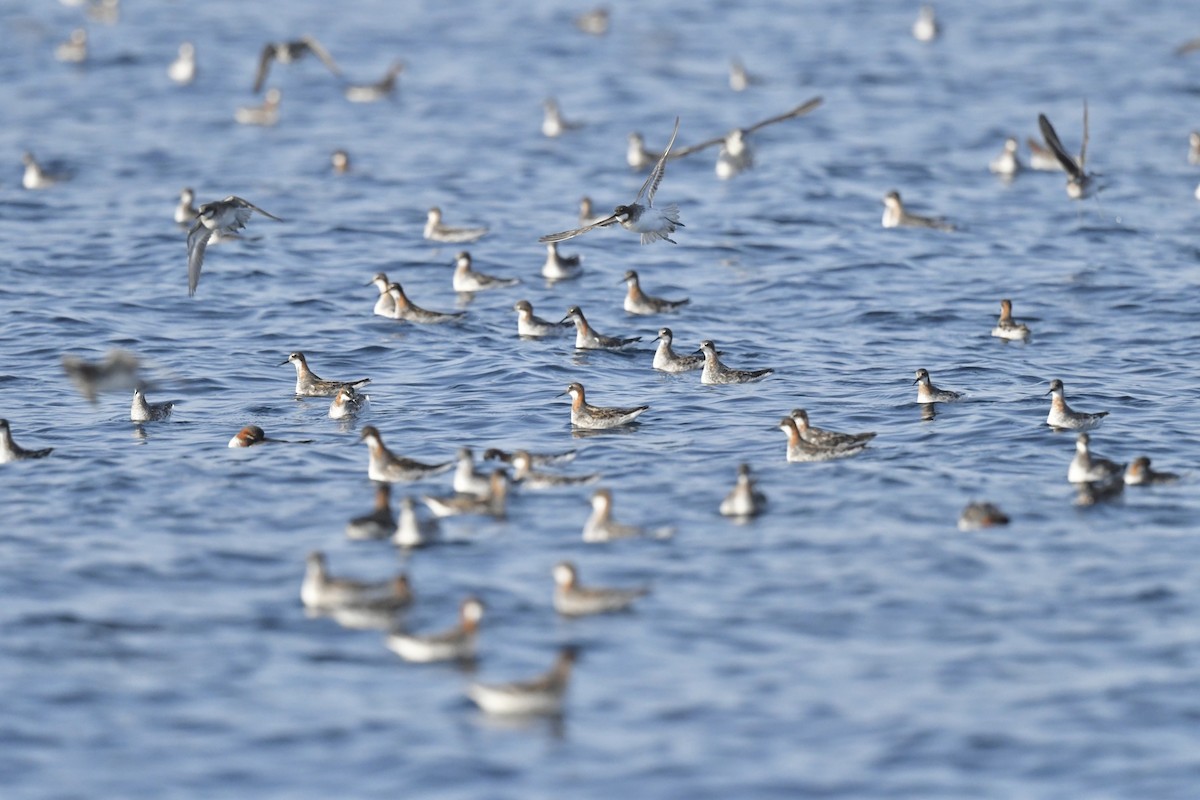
(466, 279)
(573, 600)
(1086, 468)
(385, 305)
(1139, 473)
(265, 115)
(117, 372)
(587, 214)
(652, 223)
(380, 523)
(387, 467)
(533, 326)
(979, 515)
(411, 530)
(220, 216)
(636, 154)
(587, 338)
(735, 155)
(926, 28)
(1079, 183)
(35, 177)
(744, 499)
(529, 478)
(340, 161)
(553, 122)
(143, 411)
(286, 53)
(252, 435)
(408, 311)
(739, 79)
(1063, 418)
(11, 451)
(466, 479)
(542, 695)
(601, 527)
(320, 591)
(825, 438)
(1008, 163)
(799, 450)
(373, 92)
(594, 22)
(183, 69)
(536, 459)
(717, 373)
(638, 302)
(437, 232)
(493, 503)
(596, 418)
(346, 402)
(928, 393)
(75, 49)
(185, 212)
(455, 644)
(309, 385)
(1194, 147)
(896, 216)
(667, 360)
(558, 267)
(1006, 326)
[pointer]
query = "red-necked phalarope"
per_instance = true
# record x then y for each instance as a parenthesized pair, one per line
(586, 214)
(799, 450)
(528, 324)
(385, 305)
(340, 161)
(596, 418)
(638, 302)
(1194, 147)
(559, 267)
(220, 216)
(346, 402)
(252, 435)
(928, 393)
(287, 52)
(183, 69)
(1041, 158)
(1007, 164)
(466, 479)
(75, 49)
(185, 212)
(715, 372)
(536, 459)
(309, 385)
(601, 527)
(456, 644)
(926, 28)
(739, 79)
(825, 438)
(1006, 326)
(895, 216)
(587, 338)
(1062, 417)
(468, 280)
(652, 223)
(117, 372)
(594, 22)
(977, 516)
(265, 115)
(528, 477)
(1079, 183)
(540, 696)
(386, 466)
(493, 503)
(735, 155)
(1139, 473)
(411, 530)
(35, 177)
(573, 600)
(667, 360)
(1086, 468)
(320, 591)
(143, 411)
(553, 123)
(11, 451)
(636, 154)
(744, 499)
(380, 523)
(373, 92)
(437, 232)
(408, 311)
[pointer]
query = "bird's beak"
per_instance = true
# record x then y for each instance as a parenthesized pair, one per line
(560, 394)
(916, 380)
(623, 280)
(285, 361)
(369, 283)
(1049, 391)
(567, 318)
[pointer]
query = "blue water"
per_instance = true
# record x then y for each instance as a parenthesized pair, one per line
(849, 643)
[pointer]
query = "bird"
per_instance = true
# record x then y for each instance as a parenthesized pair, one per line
(455, 644)
(385, 305)
(1138, 473)
(928, 393)
(340, 161)
(558, 267)
(286, 53)
(1008, 163)
(588, 417)
(380, 523)
(1079, 182)
(542, 695)
(536, 459)
(735, 155)
(252, 435)
(1086, 468)
(1062, 417)
(594, 22)
(587, 338)
(896, 216)
(1041, 158)
(75, 49)
(387, 467)
(220, 216)
(715, 372)
(651, 223)
(11, 451)
(744, 499)
(553, 122)
(800, 450)
(183, 69)
(601, 527)
(373, 92)
(826, 438)
(408, 311)
(321, 591)
(266, 114)
(308, 384)
(467, 480)
(437, 232)
(532, 326)
(529, 478)
(667, 360)
(185, 211)
(978, 515)
(926, 28)
(143, 411)
(1194, 147)
(638, 302)
(1006, 326)
(739, 79)
(411, 530)
(117, 372)
(493, 503)
(466, 279)
(35, 176)
(346, 402)
(573, 600)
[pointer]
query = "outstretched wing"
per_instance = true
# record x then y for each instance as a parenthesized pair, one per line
(321, 53)
(197, 242)
(264, 66)
(695, 148)
(1056, 147)
(798, 111)
(1083, 147)
(238, 202)
(571, 234)
(656, 175)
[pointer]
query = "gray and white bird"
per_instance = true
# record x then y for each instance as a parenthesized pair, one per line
(220, 216)
(1079, 182)
(588, 417)
(539, 696)
(309, 384)
(573, 600)
(895, 215)
(437, 231)
(587, 338)
(287, 52)
(143, 411)
(716, 373)
(466, 279)
(735, 155)
(667, 360)
(744, 499)
(11, 451)
(638, 302)
(373, 92)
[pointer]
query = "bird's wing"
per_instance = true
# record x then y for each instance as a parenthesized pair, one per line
(571, 234)
(264, 66)
(798, 111)
(197, 242)
(695, 148)
(246, 204)
(1083, 147)
(320, 52)
(1056, 147)
(656, 175)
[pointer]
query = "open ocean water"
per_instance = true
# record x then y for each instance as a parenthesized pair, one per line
(849, 643)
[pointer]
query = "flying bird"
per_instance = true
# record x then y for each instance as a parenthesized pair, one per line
(220, 216)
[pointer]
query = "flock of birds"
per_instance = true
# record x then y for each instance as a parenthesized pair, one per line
(367, 604)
